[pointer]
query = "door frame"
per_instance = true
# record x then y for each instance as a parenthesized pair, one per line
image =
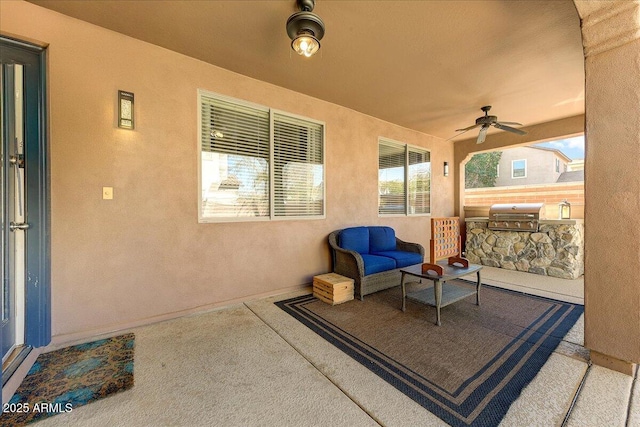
(37, 330)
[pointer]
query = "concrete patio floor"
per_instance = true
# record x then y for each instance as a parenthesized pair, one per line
(535, 284)
(252, 364)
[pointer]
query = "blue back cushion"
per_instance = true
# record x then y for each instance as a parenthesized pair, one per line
(382, 239)
(355, 239)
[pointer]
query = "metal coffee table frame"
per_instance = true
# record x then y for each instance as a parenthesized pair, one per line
(442, 295)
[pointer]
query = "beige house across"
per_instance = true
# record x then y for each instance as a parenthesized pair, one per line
(531, 165)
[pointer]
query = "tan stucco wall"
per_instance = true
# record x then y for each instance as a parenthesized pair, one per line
(143, 256)
(611, 38)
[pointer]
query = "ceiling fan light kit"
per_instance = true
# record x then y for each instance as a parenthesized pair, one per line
(486, 121)
(305, 29)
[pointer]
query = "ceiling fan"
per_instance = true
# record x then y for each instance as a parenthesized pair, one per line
(486, 121)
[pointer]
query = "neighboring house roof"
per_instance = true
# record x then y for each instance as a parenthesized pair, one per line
(571, 176)
(555, 150)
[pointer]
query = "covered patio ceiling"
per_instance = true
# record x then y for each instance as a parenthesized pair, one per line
(424, 65)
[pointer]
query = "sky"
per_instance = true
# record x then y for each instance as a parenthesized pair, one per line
(571, 147)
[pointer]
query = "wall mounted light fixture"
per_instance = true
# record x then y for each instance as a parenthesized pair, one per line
(564, 210)
(125, 109)
(446, 168)
(305, 29)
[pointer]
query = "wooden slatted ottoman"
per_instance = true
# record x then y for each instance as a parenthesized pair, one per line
(333, 288)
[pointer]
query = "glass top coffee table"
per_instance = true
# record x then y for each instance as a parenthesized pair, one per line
(441, 293)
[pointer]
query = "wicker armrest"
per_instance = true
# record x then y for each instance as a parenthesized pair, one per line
(345, 262)
(401, 245)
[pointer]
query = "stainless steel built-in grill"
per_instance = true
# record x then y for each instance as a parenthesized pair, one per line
(515, 216)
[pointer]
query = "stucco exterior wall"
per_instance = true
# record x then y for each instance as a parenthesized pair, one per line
(611, 38)
(541, 166)
(143, 256)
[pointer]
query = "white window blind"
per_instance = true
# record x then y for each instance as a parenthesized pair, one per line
(297, 167)
(391, 178)
(257, 164)
(419, 181)
(404, 179)
(234, 159)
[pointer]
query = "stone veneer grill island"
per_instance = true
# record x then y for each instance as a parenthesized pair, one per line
(556, 250)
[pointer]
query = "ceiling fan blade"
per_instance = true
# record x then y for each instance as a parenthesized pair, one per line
(456, 135)
(509, 129)
(482, 135)
(466, 129)
(510, 123)
(462, 131)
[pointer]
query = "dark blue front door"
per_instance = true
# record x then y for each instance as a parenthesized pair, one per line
(24, 214)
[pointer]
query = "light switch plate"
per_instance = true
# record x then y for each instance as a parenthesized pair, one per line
(107, 193)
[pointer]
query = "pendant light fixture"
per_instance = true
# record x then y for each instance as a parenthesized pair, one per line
(305, 29)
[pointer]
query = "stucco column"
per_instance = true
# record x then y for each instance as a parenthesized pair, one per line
(611, 39)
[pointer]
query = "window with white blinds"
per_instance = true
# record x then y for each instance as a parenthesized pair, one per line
(404, 179)
(249, 171)
(298, 167)
(419, 181)
(391, 177)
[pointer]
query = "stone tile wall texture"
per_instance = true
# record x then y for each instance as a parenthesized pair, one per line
(556, 250)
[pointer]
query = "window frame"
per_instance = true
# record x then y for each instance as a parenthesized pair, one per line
(407, 205)
(272, 190)
(513, 169)
(270, 166)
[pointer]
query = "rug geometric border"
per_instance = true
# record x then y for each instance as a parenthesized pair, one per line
(475, 402)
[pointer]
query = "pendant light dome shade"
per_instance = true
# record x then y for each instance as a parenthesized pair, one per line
(305, 29)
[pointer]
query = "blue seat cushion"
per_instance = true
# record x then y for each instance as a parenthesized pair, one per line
(376, 264)
(355, 239)
(381, 239)
(403, 259)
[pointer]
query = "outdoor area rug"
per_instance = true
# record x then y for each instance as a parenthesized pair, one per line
(467, 371)
(64, 379)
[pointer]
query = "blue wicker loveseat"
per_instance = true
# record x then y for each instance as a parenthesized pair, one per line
(372, 257)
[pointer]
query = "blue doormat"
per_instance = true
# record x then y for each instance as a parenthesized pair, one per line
(468, 371)
(62, 380)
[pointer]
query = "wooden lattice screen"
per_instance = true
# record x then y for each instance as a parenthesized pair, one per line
(445, 238)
